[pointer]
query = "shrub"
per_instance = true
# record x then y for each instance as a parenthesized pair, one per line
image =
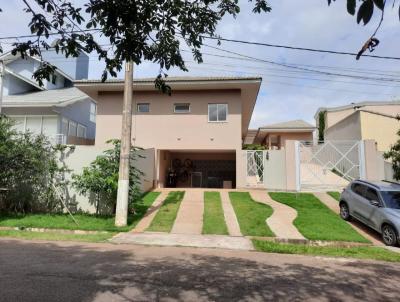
(30, 177)
(101, 178)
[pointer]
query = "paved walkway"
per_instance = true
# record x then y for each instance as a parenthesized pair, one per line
(145, 222)
(190, 215)
(192, 240)
(229, 214)
(281, 220)
(333, 204)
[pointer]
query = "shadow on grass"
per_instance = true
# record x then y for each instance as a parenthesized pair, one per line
(75, 272)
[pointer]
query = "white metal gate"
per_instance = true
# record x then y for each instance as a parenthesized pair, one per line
(330, 165)
(255, 168)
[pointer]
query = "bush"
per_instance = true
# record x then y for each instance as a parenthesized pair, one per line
(30, 177)
(101, 179)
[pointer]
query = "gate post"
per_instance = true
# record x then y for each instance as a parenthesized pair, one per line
(297, 161)
(361, 159)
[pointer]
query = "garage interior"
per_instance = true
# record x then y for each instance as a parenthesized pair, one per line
(197, 169)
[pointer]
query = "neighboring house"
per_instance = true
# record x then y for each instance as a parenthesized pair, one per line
(274, 136)
(362, 121)
(197, 131)
(66, 116)
(55, 109)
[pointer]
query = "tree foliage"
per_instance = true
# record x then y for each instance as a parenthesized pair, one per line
(394, 155)
(101, 178)
(321, 126)
(135, 30)
(30, 174)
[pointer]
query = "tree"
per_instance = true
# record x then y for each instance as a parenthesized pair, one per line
(394, 155)
(321, 126)
(101, 178)
(365, 10)
(136, 30)
(30, 175)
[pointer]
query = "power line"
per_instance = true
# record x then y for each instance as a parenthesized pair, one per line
(300, 48)
(50, 34)
(304, 69)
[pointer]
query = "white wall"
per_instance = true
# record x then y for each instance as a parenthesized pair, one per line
(82, 156)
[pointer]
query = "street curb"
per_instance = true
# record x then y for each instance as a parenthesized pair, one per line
(312, 242)
(46, 230)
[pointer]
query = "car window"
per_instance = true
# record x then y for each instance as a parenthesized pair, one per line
(371, 194)
(358, 189)
(392, 199)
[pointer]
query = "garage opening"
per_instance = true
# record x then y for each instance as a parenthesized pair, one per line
(194, 169)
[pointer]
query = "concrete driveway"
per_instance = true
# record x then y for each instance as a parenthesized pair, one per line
(50, 271)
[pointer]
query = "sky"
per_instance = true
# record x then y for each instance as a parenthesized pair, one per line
(286, 93)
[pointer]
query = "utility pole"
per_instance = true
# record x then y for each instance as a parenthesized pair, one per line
(121, 213)
(1, 84)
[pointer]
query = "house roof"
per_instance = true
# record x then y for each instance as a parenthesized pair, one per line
(9, 57)
(294, 125)
(249, 87)
(353, 105)
(48, 98)
(22, 78)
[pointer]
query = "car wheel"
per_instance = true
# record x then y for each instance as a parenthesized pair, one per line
(344, 211)
(389, 235)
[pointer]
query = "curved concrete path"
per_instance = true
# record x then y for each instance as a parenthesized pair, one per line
(281, 220)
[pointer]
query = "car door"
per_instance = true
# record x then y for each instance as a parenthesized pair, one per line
(372, 212)
(356, 201)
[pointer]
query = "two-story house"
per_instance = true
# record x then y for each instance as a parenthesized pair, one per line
(377, 121)
(56, 109)
(196, 133)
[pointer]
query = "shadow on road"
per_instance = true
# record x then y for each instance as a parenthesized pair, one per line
(75, 272)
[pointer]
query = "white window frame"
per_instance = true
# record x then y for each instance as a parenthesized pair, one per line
(93, 113)
(182, 104)
(142, 104)
(76, 128)
(217, 104)
(84, 130)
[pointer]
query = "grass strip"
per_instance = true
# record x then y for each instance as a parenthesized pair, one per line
(251, 215)
(362, 252)
(86, 222)
(166, 215)
(335, 195)
(316, 221)
(213, 216)
(53, 236)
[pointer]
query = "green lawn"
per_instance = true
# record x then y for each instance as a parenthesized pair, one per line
(335, 195)
(316, 221)
(362, 252)
(85, 221)
(101, 237)
(166, 215)
(251, 215)
(213, 217)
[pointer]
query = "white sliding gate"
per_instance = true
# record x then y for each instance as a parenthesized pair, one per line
(330, 165)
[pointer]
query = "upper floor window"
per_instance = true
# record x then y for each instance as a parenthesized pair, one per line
(143, 107)
(93, 111)
(217, 112)
(182, 108)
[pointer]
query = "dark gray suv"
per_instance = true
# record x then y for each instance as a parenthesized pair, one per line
(376, 204)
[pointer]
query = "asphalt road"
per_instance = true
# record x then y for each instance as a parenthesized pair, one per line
(66, 271)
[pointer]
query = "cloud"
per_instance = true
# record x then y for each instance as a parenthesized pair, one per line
(286, 93)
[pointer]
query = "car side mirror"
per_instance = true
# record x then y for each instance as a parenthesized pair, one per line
(375, 203)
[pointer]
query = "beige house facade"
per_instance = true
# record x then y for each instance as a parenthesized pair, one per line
(376, 121)
(274, 136)
(196, 132)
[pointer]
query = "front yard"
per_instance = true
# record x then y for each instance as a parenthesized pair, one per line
(86, 222)
(251, 215)
(315, 221)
